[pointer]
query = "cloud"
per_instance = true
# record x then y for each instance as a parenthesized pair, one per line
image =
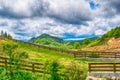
(30, 18)
(109, 9)
(72, 12)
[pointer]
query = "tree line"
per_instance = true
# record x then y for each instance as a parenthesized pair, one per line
(5, 34)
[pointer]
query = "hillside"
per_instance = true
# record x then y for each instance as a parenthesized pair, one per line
(108, 41)
(46, 39)
(51, 41)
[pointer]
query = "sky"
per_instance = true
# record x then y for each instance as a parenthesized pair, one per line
(68, 19)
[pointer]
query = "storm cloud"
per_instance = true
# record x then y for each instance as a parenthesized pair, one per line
(30, 18)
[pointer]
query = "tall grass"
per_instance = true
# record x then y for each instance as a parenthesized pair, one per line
(18, 76)
(56, 71)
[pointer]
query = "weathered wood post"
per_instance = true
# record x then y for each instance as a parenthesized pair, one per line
(85, 54)
(89, 67)
(74, 54)
(33, 67)
(115, 55)
(5, 61)
(114, 67)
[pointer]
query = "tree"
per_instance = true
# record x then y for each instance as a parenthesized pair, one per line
(9, 36)
(76, 45)
(2, 33)
(86, 41)
(5, 35)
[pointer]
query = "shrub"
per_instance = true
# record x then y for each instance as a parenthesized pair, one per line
(14, 57)
(52, 69)
(76, 45)
(74, 72)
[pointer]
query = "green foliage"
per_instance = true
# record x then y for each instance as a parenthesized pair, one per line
(18, 76)
(14, 57)
(93, 55)
(3, 74)
(54, 69)
(59, 72)
(76, 45)
(113, 33)
(86, 41)
(9, 36)
(74, 72)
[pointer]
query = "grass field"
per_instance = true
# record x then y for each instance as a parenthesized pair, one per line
(43, 55)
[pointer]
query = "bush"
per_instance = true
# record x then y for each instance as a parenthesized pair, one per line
(74, 72)
(76, 45)
(12, 71)
(18, 76)
(52, 70)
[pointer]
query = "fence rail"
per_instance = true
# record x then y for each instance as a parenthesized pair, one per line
(46, 47)
(24, 65)
(78, 54)
(97, 54)
(104, 67)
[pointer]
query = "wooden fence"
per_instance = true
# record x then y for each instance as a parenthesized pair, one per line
(24, 65)
(90, 54)
(104, 67)
(79, 54)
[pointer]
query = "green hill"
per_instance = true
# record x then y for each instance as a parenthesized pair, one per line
(46, 39)
(113, 33)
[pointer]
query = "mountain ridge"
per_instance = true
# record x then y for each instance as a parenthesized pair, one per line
(46, 39)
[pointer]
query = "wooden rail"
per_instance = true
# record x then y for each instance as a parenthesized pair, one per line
(77, 54)
(24, 65)
(90, 54)
(104, 67)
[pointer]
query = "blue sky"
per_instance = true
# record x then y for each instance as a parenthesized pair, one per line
(68, 19)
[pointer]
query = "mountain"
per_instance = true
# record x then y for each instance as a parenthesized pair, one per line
(46, 39)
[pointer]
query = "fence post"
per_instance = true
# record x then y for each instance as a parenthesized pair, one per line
(89, 67)
(114, 67)
(74, 54)
(5, 61)
(115, 55)
(85, 54)
(33, 67)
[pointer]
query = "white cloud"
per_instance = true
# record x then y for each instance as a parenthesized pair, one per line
(56, 17)
(99, 32)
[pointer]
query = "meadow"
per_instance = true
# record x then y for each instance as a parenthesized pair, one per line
(61, 62)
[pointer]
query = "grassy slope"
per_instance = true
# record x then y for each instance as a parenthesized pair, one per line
(41, 55)
(48, 40)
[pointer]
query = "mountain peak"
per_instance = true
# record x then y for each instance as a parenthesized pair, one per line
(44, 35)
(46, 39)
